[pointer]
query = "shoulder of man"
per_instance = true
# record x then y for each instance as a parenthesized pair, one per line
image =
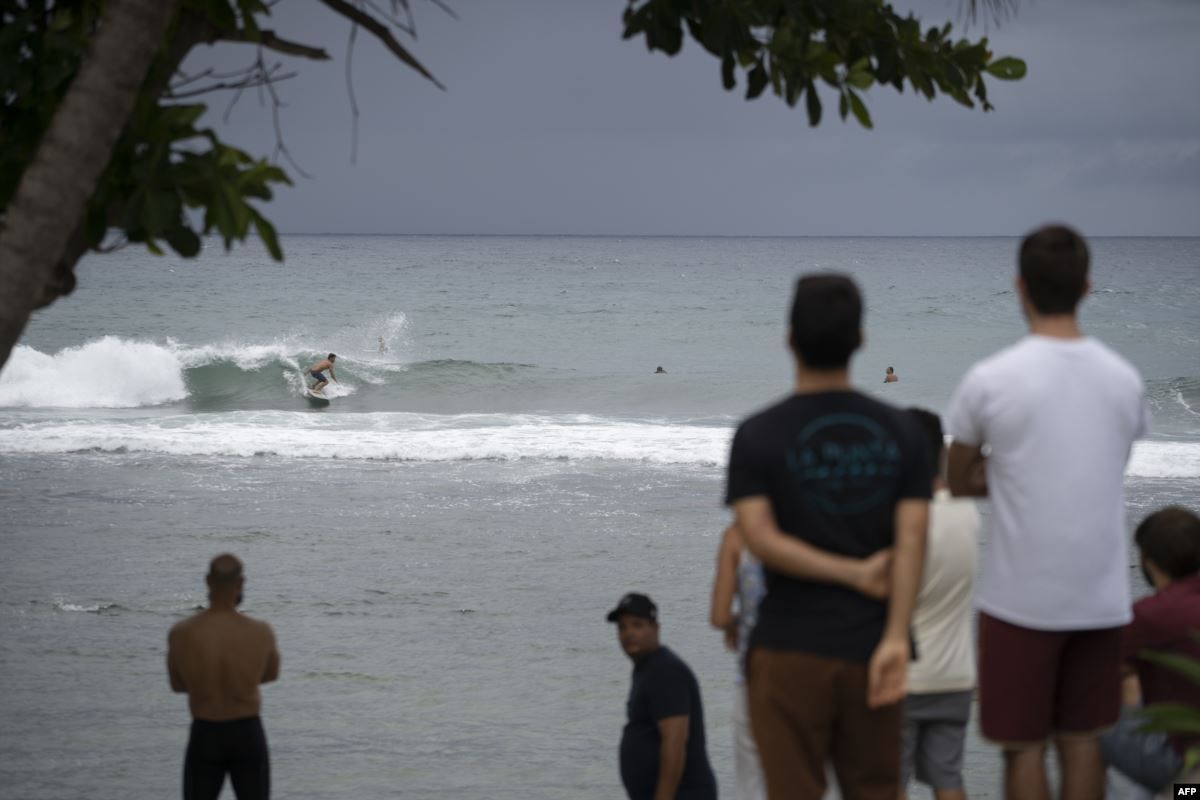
(262, 626)
(765, 415)
(669, 664)
(1117, 364)
(1152, 619)
(1014, 357)
(184, 626)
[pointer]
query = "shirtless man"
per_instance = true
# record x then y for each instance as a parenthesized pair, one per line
(317, 370)
(891, 376)
(219, 657)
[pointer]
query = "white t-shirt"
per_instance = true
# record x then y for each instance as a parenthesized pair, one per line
(1060, 417)
(942, 618)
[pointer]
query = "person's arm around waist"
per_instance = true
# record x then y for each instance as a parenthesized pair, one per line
(173, 673)
(271, 671)
(887, 680)
(672, 755)
(798, 558)
(966, 470)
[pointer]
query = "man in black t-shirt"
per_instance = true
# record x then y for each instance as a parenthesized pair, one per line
(662, 747)
(830, 489)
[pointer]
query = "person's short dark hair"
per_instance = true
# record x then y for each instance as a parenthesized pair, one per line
(891, 369)
(224, 570)
(332, 356)
(1054, 267)
(826, 320)
(1170, 537)
(931, 426)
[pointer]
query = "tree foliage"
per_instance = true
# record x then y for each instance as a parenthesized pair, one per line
(849, 45)
(1175, 718)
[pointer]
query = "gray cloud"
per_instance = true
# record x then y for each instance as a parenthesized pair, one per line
(553, 124)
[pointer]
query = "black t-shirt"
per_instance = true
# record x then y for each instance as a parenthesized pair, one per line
(834, 465)
(664, 686)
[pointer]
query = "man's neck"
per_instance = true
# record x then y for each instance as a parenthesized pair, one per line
(1055, 326)
(218, 603)
(646, 655)
(812, 381)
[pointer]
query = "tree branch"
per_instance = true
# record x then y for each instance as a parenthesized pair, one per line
(269, 40)
(382, 33)
(247, 83)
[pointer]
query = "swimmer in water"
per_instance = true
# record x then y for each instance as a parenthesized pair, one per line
(891, 376)
(660, 371)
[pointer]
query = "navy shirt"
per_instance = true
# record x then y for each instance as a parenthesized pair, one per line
(664, 686)
(833, 465)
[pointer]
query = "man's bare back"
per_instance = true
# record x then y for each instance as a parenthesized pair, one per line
(219, 658)
(321, 365)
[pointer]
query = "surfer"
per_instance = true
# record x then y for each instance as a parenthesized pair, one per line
(891, 376)
(317, 371)
(383, 348)
(660, 371)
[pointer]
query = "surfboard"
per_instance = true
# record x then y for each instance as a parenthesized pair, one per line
(316, 400)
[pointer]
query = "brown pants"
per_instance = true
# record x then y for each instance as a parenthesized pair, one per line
(806, 710)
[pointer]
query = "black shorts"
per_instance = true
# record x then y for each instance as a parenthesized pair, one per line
(319, 377)
(237, 748)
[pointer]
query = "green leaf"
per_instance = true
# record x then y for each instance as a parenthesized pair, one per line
(814, 105)
(266, 232)
(1169, 718)
(160, 212)
(1191, 760)
(860, 110)
(183, 240)
(756, 81)
(727, 77)
(1187, 667)
(1007, 69)
(860, 80)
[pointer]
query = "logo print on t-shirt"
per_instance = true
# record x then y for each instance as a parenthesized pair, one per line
(845, 463)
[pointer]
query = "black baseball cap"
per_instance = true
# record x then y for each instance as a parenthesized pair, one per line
(637, 604)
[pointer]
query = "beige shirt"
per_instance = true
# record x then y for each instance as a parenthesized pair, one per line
(219, 658)
(942, 619)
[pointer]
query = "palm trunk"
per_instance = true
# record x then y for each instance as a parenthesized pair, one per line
(55, 188)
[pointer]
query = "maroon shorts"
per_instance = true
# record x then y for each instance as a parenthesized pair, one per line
(1037, 684)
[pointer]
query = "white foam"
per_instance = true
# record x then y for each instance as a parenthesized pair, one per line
(62, 605)
(112, 372)
(439, 438)
(105, 373)
(1164, 460)
(383, 436)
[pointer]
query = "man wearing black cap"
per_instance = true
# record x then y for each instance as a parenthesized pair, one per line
(662, 747)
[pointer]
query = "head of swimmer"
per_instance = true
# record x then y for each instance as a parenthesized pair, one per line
(225, 581)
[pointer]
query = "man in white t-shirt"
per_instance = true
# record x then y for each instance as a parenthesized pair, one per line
(941, 682)
(1058, 413)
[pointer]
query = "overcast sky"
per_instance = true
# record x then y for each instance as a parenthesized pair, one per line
(552, 124)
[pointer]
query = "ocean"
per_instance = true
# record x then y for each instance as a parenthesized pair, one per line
(437, 549)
